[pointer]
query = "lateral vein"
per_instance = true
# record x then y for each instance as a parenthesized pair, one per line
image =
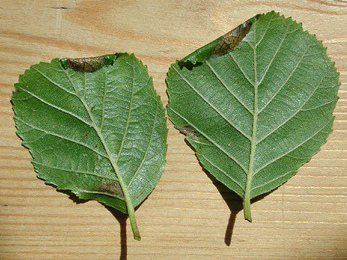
(210, 104)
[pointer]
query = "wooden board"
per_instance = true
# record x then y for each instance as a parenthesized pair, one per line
(187, 216)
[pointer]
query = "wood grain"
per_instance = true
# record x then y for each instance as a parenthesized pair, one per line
(187, 216)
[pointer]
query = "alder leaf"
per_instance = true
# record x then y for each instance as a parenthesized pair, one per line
(256, 103)
(94, 126)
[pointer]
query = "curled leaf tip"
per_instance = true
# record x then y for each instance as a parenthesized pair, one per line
(220, 46)
(232, 39)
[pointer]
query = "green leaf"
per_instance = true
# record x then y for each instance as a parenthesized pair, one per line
(257, 113)
(94, 126)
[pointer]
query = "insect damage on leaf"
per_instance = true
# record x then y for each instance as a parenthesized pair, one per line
(189, 132)
(101, 134)
(260, 99)
(86, 135)
(231, 39)
(221, 46)
(90, 64)
(110, 187)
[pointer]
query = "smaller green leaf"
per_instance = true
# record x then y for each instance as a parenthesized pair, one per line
(94, 126)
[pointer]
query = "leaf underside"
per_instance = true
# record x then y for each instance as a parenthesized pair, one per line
(101, 135)
(255, 115)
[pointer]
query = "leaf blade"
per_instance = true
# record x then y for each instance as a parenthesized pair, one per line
(77, 134)
(279, 75)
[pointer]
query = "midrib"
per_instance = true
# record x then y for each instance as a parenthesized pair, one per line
(127, 199)
(247, 198)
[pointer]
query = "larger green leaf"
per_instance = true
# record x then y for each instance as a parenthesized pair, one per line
(95, 127)
(260, 108)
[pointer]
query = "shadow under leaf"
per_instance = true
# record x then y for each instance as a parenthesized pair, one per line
(234, 203)
(122, 218)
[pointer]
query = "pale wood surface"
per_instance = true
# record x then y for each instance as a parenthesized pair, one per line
(185, 217)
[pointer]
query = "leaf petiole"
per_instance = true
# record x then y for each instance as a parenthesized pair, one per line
(247, 208)
(128, 202)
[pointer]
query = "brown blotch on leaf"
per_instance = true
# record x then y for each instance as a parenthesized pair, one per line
(86, 64)
(85, 136)
(189, 132)
(111, 187)
(232, 39)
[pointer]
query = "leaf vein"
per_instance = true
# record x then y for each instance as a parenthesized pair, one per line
(295, 147)
(211, 140)
(211, 105)
(149, 144)
(267, 27)
(285, 82)
(53, 82)
(319, 106)
(274, 56)
(239, 67)
(99, 192)
(224, 173)
(294, 114)
(272, 180)
(74, 171)
(103, 104)
(61, 137)
(225, 86)
(129, 114)
(54, 106)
